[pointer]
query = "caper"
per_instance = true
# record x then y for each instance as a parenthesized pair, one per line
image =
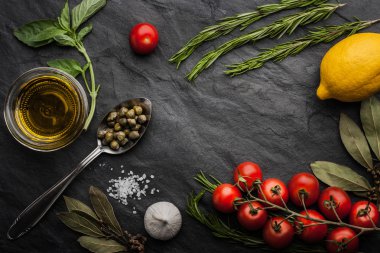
(130, 114)
(114, 145)
(123, 110)
(109, 130)
(117, 127)
(101, 133)
(141, 119)
(123, 122)
(108, 137)
(111, 123)
(123, 142)
(134, 135)
(137, 127)
(131, 122)
(138, 109)
(104, 142)
(120, 135)
(126, 131)
(112, 116)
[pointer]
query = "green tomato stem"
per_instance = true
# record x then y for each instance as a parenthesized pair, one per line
(93, 90)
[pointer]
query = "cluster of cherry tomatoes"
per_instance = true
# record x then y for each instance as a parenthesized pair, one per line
(303, 191)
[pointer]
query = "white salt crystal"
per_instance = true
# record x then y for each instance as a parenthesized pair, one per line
(130, 187)
(151, 176)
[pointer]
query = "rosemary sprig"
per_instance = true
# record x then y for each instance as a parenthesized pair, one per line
(286, 25)
(222, 230)
(281, 51)
(243, 20)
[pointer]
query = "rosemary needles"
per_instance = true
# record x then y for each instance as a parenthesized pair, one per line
(227, 25)
(319, 10)
(286, 25)
(281, 51)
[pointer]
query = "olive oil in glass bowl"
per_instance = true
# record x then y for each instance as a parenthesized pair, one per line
(46, 109)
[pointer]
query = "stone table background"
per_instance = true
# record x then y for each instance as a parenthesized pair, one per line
(270, 116)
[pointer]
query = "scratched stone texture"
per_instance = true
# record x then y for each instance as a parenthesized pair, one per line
(270, 116)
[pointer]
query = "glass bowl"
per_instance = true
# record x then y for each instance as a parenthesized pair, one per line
(45, 109)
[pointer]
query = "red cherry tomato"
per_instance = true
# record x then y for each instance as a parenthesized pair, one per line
(362, 213)
(252, 216)
(224, 196)
(278, 233)
(250, 172)
(338, 238)
(303, 185)
(311, 232)
(274, 189)
(341, 203)
(143, 38)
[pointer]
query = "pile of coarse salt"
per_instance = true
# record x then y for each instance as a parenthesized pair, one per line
(132, 186)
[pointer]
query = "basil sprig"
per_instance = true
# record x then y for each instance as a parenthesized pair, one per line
(64, 31)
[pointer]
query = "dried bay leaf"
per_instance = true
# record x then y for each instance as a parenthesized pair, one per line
(100, 245)
(80, 224)
(341, 176)
(354, 141)
(104, 210)
(76, 205)
(370, 117)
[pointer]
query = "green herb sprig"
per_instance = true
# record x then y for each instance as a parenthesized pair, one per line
(222, 230)
(359, 146)
(242, 21)
(281, 51)
(286, 25)
(64, 31)
(100, 228)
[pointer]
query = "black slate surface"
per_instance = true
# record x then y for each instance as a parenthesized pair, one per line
(270, 116)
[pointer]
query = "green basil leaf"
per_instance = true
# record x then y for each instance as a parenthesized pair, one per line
(104, 210)
(76, 205)
(38, 33)
(370, 117)
(354, 141)
(100, 245)
(84, 11)
(40, 43)
(341, 176)
(70, 66)
(64, 18)
(86, 30)
(80, 224)
(65, 40)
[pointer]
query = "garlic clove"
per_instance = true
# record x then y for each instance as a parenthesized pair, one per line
(162, 220)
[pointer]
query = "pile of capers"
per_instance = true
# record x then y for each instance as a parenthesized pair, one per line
(123, 126)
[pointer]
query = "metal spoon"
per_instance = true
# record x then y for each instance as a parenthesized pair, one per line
(38, 208)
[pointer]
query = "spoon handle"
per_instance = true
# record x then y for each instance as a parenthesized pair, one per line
(38, 208)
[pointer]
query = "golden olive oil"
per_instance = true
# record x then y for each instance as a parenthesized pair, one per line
(47, 108)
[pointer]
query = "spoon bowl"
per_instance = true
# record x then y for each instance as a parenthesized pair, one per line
(38, 208)
(146, 104)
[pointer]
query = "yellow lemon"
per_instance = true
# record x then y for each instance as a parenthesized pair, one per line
(350, 70)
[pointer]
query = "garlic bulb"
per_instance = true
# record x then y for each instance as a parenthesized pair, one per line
(162, 220)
